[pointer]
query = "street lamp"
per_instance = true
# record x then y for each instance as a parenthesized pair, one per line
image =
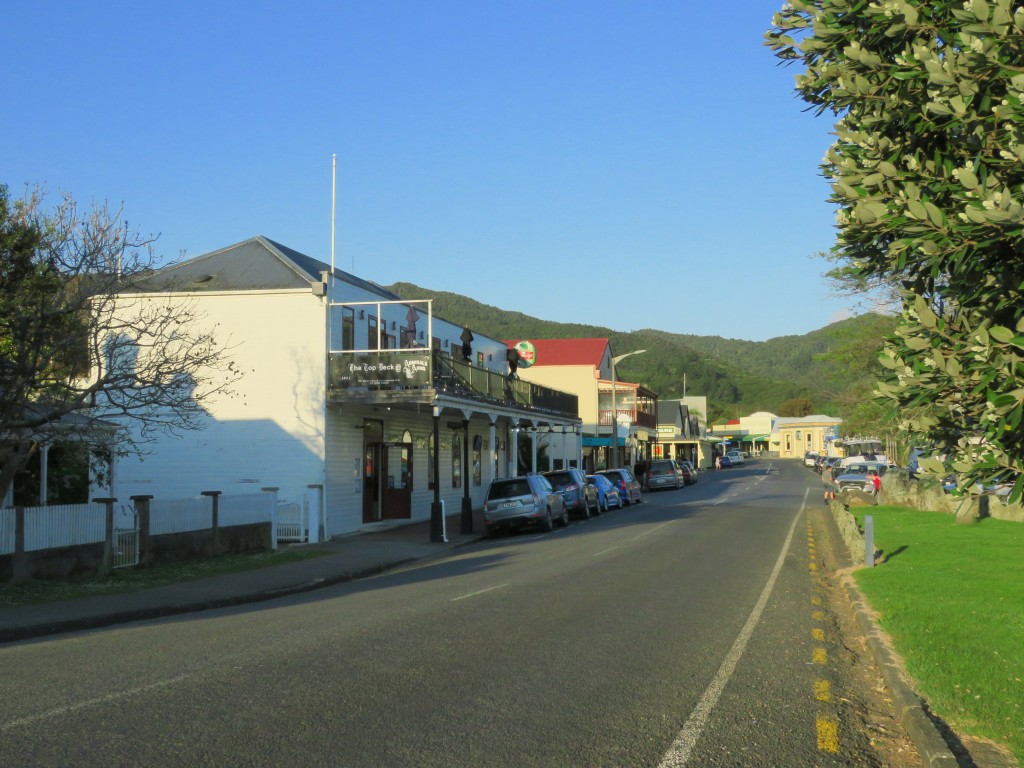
(615, 412)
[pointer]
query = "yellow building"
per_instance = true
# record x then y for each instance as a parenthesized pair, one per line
(791, 438)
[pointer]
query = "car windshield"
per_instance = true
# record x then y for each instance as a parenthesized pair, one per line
(661, 467)
(507, 488)
(559, 480)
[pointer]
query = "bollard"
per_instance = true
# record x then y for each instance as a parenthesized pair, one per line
(869, 541)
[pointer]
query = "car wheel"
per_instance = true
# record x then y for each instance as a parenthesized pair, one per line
(549, 522)
(597, 506)
(602, 503)
(586, 509)
(565, 517)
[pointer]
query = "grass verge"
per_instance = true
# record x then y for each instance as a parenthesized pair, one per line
(133, 580)
(952, 599)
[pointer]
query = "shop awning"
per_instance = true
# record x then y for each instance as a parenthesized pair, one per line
(755, 438)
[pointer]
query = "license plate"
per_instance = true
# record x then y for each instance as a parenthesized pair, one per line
(510, 504)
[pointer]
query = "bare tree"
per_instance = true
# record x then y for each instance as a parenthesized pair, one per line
(81, 351)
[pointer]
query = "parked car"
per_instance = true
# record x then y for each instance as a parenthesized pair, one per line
(854, 477)
(628, 486)
(689, 472)
(580, 498)
(516, 502)
(724, 461)
(809, 458)
(664, 473)
(736, 457)
(608, 493)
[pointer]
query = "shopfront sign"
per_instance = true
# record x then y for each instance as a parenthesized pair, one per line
(380, 370)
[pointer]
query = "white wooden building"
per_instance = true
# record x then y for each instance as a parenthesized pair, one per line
(344, 388)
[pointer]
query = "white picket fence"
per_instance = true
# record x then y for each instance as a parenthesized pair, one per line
(69, 525)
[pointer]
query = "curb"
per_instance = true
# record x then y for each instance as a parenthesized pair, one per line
(910, 709)
(30, 632)
(930, 744)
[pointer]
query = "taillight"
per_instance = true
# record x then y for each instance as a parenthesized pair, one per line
(571, 487)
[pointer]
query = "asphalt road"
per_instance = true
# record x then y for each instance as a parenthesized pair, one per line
(690, 630)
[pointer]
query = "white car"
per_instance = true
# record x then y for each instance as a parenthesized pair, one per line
(736, 457)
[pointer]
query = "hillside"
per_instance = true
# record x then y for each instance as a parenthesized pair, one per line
(738, 377)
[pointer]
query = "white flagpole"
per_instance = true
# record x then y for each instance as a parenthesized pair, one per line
(334, 200)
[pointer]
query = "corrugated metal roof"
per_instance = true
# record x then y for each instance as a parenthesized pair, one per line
(258, 263)
(567, 351)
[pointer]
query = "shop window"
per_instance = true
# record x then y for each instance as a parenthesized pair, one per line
(348, 328)
(456, 461)
(372, 337)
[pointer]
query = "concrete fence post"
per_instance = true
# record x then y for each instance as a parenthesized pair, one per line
(141, 504)
(107, 564)
(273, 515)
(214, 521)
(19, 565)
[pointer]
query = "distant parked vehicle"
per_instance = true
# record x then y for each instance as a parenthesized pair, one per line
(608, 493)
(628, 486)
(809, 458)
(580, 498)
(724, 461)
(517, 502)
(736, 457)
(689, 472)
(664, 473)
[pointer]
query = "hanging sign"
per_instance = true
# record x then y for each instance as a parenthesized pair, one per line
(527, 353)
(380, 369)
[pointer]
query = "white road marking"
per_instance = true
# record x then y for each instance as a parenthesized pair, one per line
(31, 719)
(652, 530)
(478, 592)
(604, 551)
(678, 755)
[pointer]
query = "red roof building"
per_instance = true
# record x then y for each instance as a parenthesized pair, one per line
(583, 367)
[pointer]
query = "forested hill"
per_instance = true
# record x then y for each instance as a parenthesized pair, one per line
(738, 377)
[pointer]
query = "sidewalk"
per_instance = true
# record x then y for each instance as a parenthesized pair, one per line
(373, 550)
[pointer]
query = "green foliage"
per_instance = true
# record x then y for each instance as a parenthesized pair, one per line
(928, 178)
(738, 377)
(799, 406)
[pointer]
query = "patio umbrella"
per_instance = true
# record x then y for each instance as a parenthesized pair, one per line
(410, 334)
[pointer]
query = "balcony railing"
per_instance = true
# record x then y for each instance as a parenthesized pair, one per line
(633, 416)
(413, 372)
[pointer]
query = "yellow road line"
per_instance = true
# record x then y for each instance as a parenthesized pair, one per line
(818, 634)
(822, 690)
(820, 656)
(828, 734)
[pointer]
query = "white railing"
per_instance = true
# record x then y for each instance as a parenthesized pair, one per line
(63, 525)
(291, 523)
(70, 525)
(244, 509)
(179, 515)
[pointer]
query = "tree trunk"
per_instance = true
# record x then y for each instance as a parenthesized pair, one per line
(14, 463)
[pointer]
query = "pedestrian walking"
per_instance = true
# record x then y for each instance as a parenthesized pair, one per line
(876, 482)
(828, 481)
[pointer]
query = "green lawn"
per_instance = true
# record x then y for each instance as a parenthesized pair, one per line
(132, 579)
(952, 598)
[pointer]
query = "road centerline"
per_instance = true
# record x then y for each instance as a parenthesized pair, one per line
(678, 755)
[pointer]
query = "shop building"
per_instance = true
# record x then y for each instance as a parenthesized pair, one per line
(352, 400)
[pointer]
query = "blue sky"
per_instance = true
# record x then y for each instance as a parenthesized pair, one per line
(631, 165)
